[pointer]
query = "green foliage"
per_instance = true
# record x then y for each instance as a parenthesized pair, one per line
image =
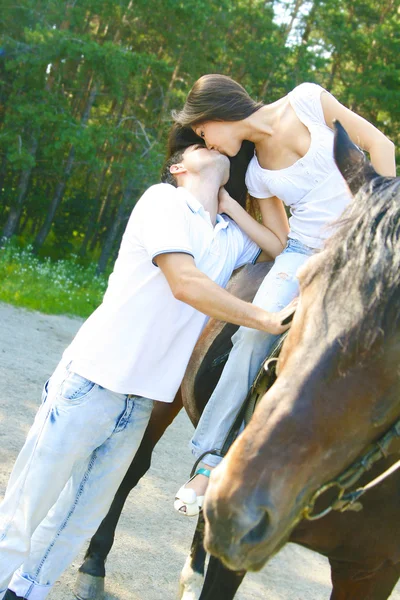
(62, 287)
(86, 91)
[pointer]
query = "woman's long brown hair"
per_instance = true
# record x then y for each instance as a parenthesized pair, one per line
(215, 98)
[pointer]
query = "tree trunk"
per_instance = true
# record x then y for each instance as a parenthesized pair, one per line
(3, 172)
(143, 100)
(91, 232)
(334, 68)
(295, 12)
(23, 222)
(11, 225)
(58, 195)
(61, 186)
(34, 226)
(115, 227)
(304, 39)
(102, 214)
(167, 97)
(80, 103)
(93, 222)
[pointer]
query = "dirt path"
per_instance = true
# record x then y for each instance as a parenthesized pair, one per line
(152, 541)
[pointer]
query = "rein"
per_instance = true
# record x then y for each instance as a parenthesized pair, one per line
(349, 501)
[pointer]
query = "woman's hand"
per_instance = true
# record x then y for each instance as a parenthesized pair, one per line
(269, 240)
(225, 202)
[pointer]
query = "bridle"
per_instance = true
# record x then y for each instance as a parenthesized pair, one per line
(345, 500)
(350, 500)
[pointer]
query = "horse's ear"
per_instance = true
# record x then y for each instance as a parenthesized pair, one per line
(351, 161)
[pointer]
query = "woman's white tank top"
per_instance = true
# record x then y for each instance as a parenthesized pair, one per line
(312, 187)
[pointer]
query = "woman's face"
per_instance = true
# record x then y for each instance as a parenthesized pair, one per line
(220, 135)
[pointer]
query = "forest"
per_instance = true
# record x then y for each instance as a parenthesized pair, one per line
(87, 88)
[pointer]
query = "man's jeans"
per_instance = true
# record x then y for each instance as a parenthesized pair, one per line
(250, 347)
(77, 452)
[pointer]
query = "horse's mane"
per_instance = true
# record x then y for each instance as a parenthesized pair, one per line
(362, 261)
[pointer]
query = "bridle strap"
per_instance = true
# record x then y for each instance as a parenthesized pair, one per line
(349, 501)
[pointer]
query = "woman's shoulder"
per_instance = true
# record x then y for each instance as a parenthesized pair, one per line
(306, 98)
(307, 89)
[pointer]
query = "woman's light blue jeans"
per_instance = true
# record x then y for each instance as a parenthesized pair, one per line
(250, 348)
(77, 452)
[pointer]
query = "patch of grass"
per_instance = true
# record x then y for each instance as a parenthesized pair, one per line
(60, 287)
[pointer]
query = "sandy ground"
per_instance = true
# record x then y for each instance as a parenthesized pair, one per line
(152, 540)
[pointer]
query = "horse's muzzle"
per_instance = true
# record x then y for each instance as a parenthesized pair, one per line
(238, 539)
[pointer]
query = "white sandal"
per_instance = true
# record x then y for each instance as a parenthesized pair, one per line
(187, 497)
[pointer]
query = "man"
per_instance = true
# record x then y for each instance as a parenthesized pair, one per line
(175, 255)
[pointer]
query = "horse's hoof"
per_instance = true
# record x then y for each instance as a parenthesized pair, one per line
(190, 583)
(88, 587)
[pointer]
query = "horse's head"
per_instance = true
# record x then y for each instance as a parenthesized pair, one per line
(338, 380)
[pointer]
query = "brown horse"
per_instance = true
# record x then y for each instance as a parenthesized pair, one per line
(337, 393)
(202, 375)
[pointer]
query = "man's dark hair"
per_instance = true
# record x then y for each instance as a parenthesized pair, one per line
(179, 139)
(166, 175)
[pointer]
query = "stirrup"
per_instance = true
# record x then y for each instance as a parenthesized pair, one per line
(188, 497)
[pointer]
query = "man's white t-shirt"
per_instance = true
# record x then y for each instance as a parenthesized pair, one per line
(139, 340)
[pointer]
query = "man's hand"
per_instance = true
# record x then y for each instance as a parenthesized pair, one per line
(192, 286)
(279, 322)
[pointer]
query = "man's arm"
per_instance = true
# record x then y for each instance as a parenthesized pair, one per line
(192, 286)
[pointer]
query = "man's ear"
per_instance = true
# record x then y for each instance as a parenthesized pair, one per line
(351, 161)
(177, 169)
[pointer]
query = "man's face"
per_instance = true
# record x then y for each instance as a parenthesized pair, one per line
(198, 158)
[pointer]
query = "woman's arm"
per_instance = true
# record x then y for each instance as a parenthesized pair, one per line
(363, 133)
(272, 234)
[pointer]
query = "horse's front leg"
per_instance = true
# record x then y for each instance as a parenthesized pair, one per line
(352, 581)
(90, 581)
(220, 582)
(192, 575)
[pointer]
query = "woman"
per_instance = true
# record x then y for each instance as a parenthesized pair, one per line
(292, 163)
